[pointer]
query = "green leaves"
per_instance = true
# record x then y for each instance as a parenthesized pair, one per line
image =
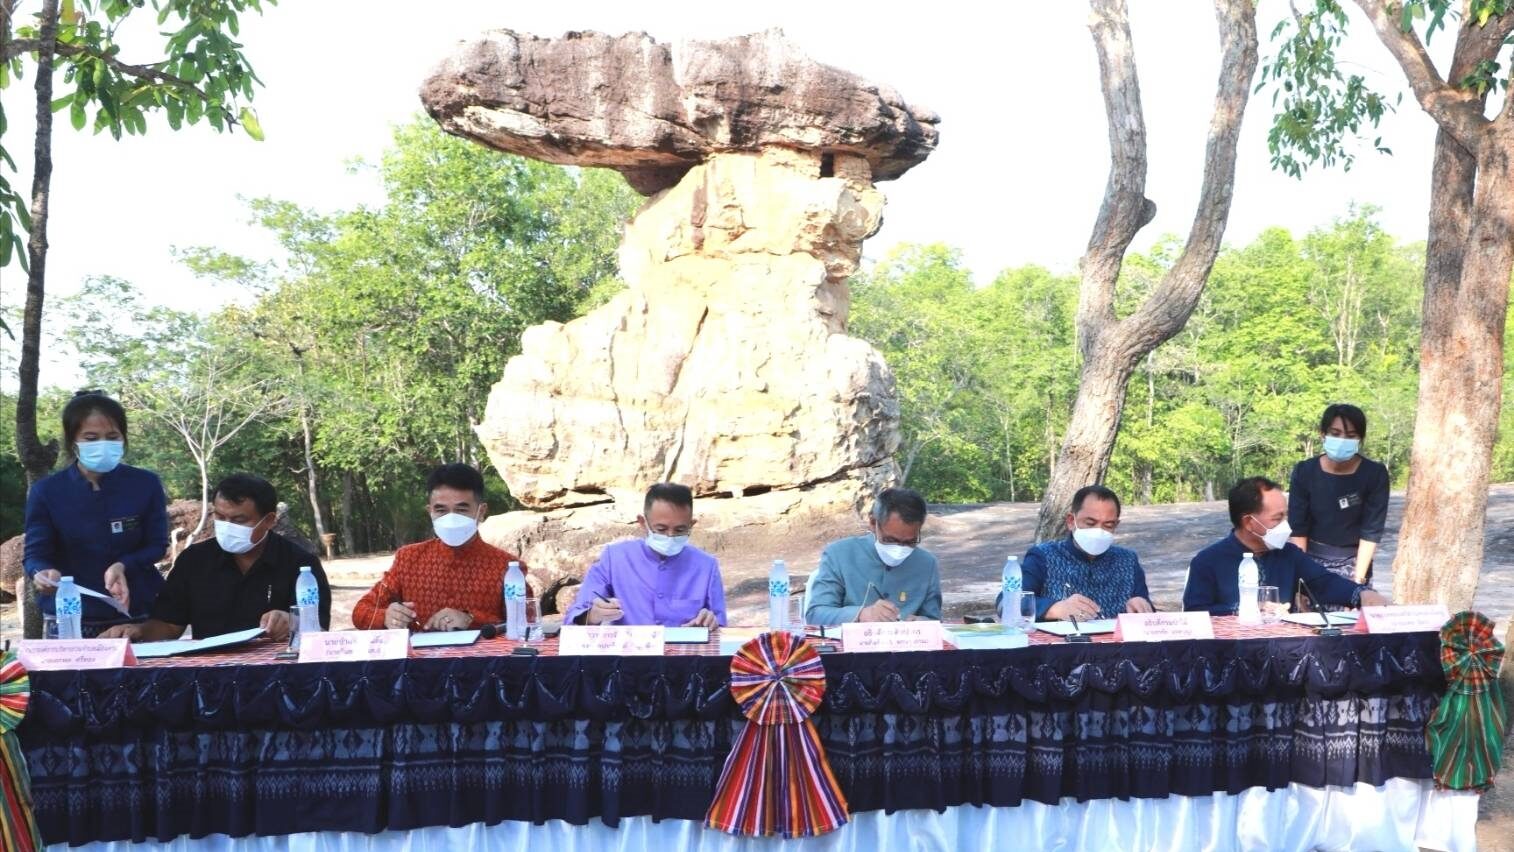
(249, 121)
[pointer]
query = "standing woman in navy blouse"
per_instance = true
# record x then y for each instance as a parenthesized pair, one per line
(1338, 500)
(102, 522)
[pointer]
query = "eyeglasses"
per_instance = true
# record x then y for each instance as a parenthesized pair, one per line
(914, 542)
(676, 532)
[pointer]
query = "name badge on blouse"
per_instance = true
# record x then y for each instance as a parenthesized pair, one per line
(1349, 500)
(121, 525)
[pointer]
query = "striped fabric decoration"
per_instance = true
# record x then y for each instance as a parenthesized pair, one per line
(776, 780)
(1466, 733)
(18, 827)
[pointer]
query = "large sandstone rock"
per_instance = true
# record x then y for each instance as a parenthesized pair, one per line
(653, 110)
(725, 365)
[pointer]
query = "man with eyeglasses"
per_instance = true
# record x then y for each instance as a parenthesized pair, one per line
(883, 575)
(658, 579)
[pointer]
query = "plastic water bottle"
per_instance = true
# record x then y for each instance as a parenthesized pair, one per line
(1248, 580)
(1009, 602)
(69, 609)
(515, 603)
(307, 596)
(778, 596)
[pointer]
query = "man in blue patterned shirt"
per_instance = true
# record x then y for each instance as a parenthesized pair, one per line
(1084, 575)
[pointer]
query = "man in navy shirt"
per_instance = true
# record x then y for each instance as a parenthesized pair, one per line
(1085, 575)
(1259, 517)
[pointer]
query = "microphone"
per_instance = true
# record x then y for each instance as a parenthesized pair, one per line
(1079, 637)
(489, 631)
(1325, 628)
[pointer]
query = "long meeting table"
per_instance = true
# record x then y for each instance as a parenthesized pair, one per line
(1261, 738)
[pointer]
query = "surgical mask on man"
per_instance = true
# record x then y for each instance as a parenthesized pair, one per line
(1341, 450)
(235, 538)
(1093, 540)
(892, 554)
(100, 456)
(1276, 537)
(667, 545)
(453, 529)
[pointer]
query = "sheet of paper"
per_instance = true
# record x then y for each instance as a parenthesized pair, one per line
(732, 638)
(174, 647)
(104, 597)
(686, 635)
(443, 638)
(1065, 628)
(1314, 619)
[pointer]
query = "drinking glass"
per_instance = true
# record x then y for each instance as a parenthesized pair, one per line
(294, 630)
(1027, 611)
(1267, 602)
(49, 627)
(533, 620)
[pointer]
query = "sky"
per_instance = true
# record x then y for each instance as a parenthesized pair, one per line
(1017, 177)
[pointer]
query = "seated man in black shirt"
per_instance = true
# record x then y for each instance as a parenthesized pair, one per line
(242, 578)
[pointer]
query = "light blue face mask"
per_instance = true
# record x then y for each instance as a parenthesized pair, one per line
(101, 456)
(667, 545)
(1341, 450)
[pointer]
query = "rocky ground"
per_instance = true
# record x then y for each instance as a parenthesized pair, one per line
(971, 543)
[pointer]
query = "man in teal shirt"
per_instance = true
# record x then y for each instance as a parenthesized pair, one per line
(882, 575)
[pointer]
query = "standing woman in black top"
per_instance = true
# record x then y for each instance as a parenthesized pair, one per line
(1338, 500)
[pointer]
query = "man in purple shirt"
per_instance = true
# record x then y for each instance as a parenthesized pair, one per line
(656, 580)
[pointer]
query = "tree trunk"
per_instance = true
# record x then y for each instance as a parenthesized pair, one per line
(349, 542)
(310, 483)
(204, 465)
(37, 458)
(1112, 348)
(1440, 549)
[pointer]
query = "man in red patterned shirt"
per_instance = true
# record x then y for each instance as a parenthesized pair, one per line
(451, 582)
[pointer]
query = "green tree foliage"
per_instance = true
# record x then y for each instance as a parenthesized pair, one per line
(1286, 327)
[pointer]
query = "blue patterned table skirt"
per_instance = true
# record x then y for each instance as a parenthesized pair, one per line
(154, 753)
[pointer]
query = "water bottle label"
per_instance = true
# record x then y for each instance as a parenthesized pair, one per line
(515, 591)
(1012, 585)
(310, 597)
(778, 588)
(69, 606)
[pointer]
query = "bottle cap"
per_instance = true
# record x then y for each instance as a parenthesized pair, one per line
(304, 569)
(1245, 556)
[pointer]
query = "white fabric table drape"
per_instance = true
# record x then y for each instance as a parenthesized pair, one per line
(1400, 815)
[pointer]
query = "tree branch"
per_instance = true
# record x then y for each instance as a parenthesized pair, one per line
(145, 73)
(1164, 313)
(1457, 111)
(1125, 209)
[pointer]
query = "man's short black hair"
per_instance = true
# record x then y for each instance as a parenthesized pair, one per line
(1246, 497)
(1347, 412)
(78, 410)
(1098, 492)
(904, 502)
(245, 486)
(668, 492)
(463, 477)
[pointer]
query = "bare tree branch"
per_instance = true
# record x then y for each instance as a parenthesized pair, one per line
(1457, 111)
(1125, 209)
(145, 73)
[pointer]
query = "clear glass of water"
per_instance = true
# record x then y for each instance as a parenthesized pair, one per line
(1027, 611)
(533, 620)
(294, 630)
(49, 627)
(1267, 602)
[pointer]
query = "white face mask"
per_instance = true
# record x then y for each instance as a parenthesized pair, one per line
(1341, 450)
(235, 538)
(1093, 540)
(892, 554)
(1276, 537)
(667, 545)
(453, 529)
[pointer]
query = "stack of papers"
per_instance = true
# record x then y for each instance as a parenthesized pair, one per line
(1065, 628)
(732, 638)
(974, 637)
(686, 635)
(174, 647)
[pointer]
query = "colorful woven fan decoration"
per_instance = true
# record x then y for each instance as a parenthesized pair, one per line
(1466, 733)
(18, 828)
(777, 780)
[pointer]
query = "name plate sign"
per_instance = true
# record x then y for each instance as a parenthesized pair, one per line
(1402, 619)
(74, 654)
(1162, 626)
(891, 636)
(354, 645)
(602, 640)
